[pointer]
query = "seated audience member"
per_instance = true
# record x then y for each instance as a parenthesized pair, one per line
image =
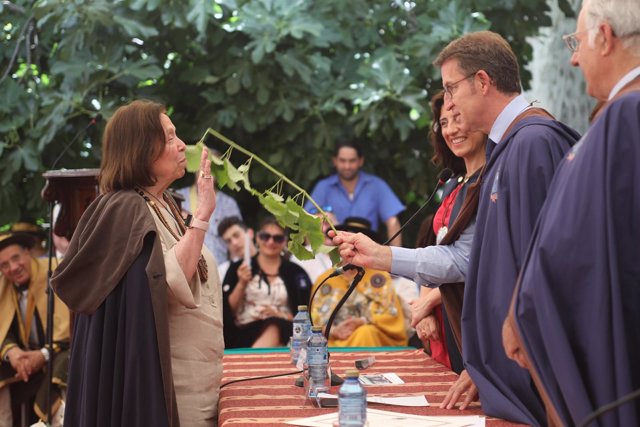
(321, 262)
(23, 328)
(372, 316)
(39, 248)
(236, 235)
(260, 300)
(226, 206)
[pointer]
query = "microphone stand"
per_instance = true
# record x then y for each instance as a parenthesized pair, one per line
(50, 308)
(50, 294)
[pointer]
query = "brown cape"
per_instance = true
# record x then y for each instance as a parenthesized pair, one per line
(107, 241)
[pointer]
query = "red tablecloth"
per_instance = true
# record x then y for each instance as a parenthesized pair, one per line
(272, 401)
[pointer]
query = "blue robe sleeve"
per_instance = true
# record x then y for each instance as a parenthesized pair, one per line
(577, 307)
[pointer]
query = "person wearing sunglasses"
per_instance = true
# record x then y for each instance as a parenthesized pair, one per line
(260, 300)
(575, 316)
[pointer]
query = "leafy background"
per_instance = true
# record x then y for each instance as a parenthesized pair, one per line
(287, 79)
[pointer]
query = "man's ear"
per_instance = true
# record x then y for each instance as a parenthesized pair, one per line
(607, 39)
(484, 81)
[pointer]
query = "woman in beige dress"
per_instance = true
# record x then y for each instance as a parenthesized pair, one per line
(133, 251)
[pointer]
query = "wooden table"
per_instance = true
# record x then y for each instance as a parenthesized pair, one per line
(270, 402)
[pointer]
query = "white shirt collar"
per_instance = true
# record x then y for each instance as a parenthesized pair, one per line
(623, 81)
(504, 119)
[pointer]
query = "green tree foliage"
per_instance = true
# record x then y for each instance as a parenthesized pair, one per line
(285, 78)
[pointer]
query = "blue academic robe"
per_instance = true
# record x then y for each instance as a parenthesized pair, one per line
(577, 307)
(514, 187)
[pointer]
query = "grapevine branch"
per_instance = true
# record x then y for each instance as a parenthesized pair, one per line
(267, 166)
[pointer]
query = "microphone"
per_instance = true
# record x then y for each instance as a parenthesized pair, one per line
(343, 269)
(444, 176)
(92, 122)
(96, 119)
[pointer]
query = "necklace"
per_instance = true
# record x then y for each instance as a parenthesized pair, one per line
(172, 208)
(463, 179)
(447, 206)
(163, 204)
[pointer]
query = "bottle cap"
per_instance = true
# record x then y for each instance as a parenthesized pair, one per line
(352, 373)
(316, 328)
(302, 308)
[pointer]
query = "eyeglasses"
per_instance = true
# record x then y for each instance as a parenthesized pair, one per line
(277, 238)
(451, 87)
(572, 42)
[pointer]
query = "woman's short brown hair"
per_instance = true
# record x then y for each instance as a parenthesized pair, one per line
(443, 157)
(133, 139)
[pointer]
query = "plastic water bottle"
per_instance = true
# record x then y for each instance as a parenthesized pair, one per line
(301, 332)
(317, 362)
(352, 401)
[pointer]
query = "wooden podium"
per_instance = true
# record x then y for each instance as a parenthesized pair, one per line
(74, 190)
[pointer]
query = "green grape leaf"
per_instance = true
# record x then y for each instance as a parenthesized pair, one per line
(221, 174)
(235, 176)
(297, 248)
(293, 214)
(215, 160)
(311, 226)
(192, 154)
(325, 249)
(225, 179)
(275, 196)
(334, 255)
(272, 204)
(244, 170)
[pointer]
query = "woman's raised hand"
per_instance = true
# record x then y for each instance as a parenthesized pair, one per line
(206, 190)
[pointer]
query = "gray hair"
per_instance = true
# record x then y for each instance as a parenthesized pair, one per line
(622, 15)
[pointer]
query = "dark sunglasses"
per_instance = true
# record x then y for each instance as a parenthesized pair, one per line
(264, 236)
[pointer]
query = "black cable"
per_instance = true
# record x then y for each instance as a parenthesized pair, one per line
(358, 277)
(609, 406)
(443, 176)
(313, 295)
(81, 132)
(260, 378)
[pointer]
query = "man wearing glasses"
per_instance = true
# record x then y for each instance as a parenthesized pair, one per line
(482, 82)
(576, 309)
